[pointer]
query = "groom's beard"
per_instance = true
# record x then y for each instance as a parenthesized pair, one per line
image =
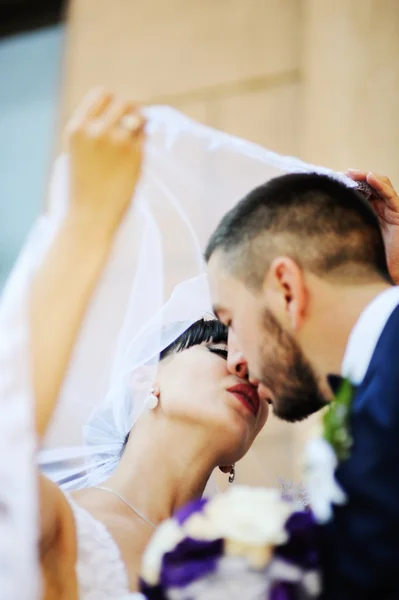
(288, 374)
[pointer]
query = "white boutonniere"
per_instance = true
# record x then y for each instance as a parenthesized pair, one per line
(323, 455)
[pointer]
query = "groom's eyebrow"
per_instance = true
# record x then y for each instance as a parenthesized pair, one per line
(216, 310)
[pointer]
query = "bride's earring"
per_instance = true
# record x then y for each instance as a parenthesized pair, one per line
(152, 400)
(231, 470)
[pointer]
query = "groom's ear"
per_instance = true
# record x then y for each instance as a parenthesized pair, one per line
(289, 291)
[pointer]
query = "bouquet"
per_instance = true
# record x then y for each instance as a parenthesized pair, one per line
(249, 543)
(254, 543)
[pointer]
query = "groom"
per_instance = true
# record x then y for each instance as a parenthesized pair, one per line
(298, 271)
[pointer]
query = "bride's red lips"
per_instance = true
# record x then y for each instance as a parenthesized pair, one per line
(248, 395)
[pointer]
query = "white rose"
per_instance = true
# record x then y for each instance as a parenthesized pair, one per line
(200, 526)
(250, 516)
(322, 487)
(165, 539)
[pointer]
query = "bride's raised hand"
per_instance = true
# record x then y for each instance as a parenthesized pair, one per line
(385, 202)
(105, 140)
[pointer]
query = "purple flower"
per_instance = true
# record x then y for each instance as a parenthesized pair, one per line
(197, 506)
(301, 549)
(189, 561)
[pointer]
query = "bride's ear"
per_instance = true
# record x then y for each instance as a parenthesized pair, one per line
(152, 399)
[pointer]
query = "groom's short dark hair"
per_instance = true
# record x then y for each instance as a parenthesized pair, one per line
(325, 226)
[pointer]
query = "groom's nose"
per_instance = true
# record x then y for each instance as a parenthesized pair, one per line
(236, 363)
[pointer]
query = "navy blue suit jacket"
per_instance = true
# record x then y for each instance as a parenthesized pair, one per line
(361, 543)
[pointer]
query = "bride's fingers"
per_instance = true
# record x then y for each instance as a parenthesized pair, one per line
(92, 107)
(384, 188)
(115, 113)
(380, 183)
(381, 186)
(356, 175)
(98, 103)
(131, 131)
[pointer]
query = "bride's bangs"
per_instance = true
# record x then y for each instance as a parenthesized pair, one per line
(200, 332)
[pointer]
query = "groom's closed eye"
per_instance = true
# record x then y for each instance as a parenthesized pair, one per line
(220, 314)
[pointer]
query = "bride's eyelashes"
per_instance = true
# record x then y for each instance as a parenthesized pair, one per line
(219, 352)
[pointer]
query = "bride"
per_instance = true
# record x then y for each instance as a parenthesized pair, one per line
(195, 415)
(199, 417)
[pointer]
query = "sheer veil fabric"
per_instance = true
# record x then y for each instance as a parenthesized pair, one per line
(153, 288)
(19, 566)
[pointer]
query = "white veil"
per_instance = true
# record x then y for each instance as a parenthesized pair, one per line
(19, 516)
(192, 175)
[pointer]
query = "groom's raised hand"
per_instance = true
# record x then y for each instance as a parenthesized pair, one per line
(385, 202)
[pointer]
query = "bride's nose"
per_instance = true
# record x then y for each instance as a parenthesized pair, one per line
(236, 363)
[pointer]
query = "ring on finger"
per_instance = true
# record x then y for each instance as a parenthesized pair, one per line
(131, 122)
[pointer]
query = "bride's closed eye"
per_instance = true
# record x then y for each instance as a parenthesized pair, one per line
(220, 351)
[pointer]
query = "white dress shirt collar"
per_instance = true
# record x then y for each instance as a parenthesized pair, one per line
(366, 333)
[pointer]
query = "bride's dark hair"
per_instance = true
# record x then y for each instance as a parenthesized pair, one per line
(200, 332)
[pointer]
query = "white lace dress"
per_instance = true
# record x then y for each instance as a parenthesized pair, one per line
(100, 570)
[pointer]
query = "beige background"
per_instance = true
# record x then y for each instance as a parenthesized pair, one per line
(314, 78)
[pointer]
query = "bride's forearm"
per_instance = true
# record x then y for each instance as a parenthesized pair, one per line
(60, 294)
(104, 168)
